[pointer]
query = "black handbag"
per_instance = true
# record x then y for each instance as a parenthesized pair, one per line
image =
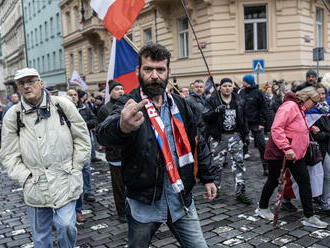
(313, 153)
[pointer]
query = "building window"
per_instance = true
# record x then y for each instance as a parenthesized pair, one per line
(255, 27)
(130, 36)
(183, 35)
(58, 23)
(51, 27)
(102, 59)
(40, 33)
(60, 58)
(43, 64)
(38, 64)
(36, 35)
(319, 27)
(46, 31)
(147, 35)
(72, 62)
(32, 45)
(28, 41)
(90, 57)
(68, 22)
(34, 63)
(34, 7)
(81, 66)
(48, 62)
(30, 15)
(54, 60)
(25, 14)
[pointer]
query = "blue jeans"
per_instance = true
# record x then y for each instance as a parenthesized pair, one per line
(64, 220)
(86, 171)
(93, 154)
(186, 230)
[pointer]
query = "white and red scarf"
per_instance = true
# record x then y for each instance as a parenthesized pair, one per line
(180, 137)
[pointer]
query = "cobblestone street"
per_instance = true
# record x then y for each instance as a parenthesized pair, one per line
(225, 222)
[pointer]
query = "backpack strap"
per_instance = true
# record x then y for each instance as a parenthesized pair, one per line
(63, 117)
(19, 122)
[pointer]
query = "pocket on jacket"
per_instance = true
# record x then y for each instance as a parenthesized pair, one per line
(33, 195)
(76, 183)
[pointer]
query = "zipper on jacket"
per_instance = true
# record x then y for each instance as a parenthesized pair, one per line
(155, 188)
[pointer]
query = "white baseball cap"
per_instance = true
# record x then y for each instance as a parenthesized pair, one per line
(26, 72)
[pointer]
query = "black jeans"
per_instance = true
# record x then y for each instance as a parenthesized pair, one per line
(300, 174)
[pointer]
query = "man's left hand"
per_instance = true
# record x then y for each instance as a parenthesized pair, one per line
(211, 191)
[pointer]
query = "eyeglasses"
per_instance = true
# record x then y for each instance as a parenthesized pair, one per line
(28, 82)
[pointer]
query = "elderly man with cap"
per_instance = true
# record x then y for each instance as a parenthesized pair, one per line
(45, 144)
(228, 130)
(311, 80)
(255, 112)
(113, 154)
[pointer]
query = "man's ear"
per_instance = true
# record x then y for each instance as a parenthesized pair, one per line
(42, 83)
(137, 70)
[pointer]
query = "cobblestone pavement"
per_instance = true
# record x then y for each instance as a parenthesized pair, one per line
(225, 222)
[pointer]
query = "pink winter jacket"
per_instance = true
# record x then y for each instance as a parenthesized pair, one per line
(289, 131)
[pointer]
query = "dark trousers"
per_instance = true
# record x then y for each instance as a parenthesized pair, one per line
(118, 189)
(300, 174)
(259, 140)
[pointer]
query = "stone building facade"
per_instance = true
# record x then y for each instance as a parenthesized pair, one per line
(12, 37)
(232, 34)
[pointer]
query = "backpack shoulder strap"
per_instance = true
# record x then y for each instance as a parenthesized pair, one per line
(63, 117)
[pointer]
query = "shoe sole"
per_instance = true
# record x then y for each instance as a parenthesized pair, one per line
(305, 223)
(261, 215)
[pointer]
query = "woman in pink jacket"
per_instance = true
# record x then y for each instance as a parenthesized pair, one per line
(290, 138)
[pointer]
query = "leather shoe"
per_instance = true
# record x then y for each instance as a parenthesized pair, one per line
(89, 197)
(81, 218)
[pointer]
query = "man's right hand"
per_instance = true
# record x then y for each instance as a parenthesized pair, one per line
(131, 117)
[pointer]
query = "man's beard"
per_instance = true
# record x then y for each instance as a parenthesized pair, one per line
(154, 87)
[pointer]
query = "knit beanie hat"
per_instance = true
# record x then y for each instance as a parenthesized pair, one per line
(81, 93)
(225, 80)
(311, 72)
(249, 79)
(113, 84)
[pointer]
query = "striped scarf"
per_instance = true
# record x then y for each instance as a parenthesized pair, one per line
(180, 137)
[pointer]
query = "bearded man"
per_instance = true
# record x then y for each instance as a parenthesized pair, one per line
(157, 132)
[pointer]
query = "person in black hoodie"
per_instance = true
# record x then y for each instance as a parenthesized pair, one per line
(113, 154)
(311, 80)
(228, 130)
(255, 111)
(157, 133)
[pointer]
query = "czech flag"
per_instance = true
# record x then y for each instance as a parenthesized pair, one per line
(117, 15)
(122, 66)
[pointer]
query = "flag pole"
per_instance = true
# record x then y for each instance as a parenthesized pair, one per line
(326, 5)
(200, 49)
(131, 43)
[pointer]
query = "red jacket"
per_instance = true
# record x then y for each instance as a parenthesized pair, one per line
(289, 131)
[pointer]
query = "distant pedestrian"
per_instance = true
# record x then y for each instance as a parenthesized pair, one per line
(45, 144)
(311, 80)
(113, 153)
(14, 99)
(255, 108)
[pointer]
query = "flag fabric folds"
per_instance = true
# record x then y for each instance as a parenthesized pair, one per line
(117, 15)
(76, 79)
(122, 66)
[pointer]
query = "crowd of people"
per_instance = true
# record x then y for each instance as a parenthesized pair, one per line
(172, 137)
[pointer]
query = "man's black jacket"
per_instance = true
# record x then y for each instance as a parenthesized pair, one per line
(143, 164)
(254, 106)
(214, 120)
(87, 114)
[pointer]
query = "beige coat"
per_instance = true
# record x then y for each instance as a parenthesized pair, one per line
(53, 153)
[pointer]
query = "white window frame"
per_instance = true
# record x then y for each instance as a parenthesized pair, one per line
(183, 34)
(146, 33)
(319, 27)
(255, 23)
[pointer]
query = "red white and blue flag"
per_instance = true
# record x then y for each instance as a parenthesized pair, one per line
(117, 15)
(122, 66)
